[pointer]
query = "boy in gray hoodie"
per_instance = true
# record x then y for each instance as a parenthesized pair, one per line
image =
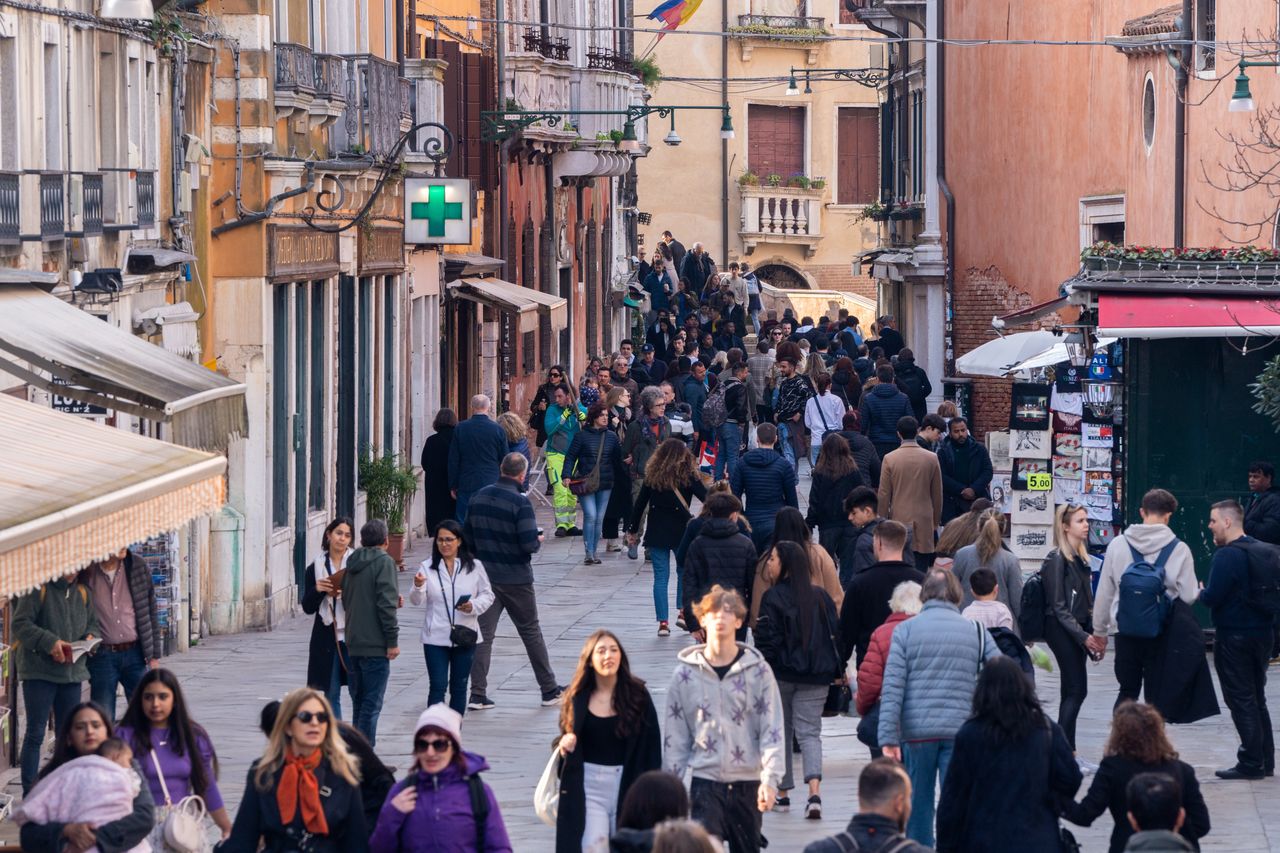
(724, 722)
(1138, 657)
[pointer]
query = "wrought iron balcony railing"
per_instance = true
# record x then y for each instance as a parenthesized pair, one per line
(548, 46)
(295, 68)
(782, 22)
(146, 199)
(376, 102)
(53, 205)
(91, 204)
(331, 77)
(10, 208)
(609, 60)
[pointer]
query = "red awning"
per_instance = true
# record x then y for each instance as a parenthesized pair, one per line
(1186, 315)
(1034, 312)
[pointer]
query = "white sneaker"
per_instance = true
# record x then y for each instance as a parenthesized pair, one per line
(1086, 766)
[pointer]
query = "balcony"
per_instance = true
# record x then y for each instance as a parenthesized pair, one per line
(86, 199)
(547, 46)
(783, 31)
(146, 199)
(406, 104)
(53, 206)
(781, 215)
(10, 209)
(605, 59)
(330, 89)
(295, 78)
(375, 107)
(128, 199)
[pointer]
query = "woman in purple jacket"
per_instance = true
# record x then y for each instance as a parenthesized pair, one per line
(442, 806)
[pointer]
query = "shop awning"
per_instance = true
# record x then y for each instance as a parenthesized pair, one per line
(1034, 312)
(47, 280)
(40, 333)
(525, 302)
(147, 259)
(72, 491)
(1002, 356)
(1187, 315)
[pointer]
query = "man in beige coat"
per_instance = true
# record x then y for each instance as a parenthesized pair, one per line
(911, 491)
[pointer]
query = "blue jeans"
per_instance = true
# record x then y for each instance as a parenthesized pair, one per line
(464, 501)
(729, 438)
(661, 581)
(108, 668)
(334, 692)
(813, 455)
(593, 506)
(786, 445)
(927, 762)
(368, 677)
(448, 666)
(40, 697)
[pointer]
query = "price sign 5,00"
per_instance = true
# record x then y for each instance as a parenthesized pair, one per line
(1039, 482)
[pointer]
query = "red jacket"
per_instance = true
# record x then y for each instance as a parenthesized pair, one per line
(871, 673)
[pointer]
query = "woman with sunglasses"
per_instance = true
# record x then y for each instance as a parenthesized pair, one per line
(304, 792)
(174, 751)
(456, 590)
(442, 804)
(542, 400)
(609, 735)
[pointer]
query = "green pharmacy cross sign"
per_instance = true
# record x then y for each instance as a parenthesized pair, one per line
(440, 211)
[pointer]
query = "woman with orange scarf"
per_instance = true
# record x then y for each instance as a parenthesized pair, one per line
(283, 807)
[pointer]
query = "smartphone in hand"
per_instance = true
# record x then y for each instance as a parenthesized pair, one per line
(462, 599)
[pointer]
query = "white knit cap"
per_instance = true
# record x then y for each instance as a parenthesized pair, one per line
(442, 717)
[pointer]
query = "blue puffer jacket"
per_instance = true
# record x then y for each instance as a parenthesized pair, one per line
(879, 411)
(769, 483)
(582, 453)
(930, 675)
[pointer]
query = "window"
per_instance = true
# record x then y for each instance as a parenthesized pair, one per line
(917, 144)
(364, 346)
(281, 407)
(1101, 219)
(388, 386)
(53, 121)
(10, 132)
(848, 8)
(319, 367)
(1206, 21)
(1149, 113)
(857, 155)
(775, 140)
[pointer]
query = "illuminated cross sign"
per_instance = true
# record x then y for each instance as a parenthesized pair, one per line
(439, 211)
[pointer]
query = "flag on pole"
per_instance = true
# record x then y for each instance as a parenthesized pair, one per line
(673, 14)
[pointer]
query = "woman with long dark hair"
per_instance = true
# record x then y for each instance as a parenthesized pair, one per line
(1138, 744)
(440, 502)
(327, 662)
(1009, 760)
(670, 485)
(790, 526)
(845, 383)
(618, 510)
(795, 633)
(83, 730)
(456, 590)
(174, 751)
(542, 400)
(609, 735)
(594, 447)
(834, 477)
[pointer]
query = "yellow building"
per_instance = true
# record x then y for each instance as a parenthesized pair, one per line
(787, 192)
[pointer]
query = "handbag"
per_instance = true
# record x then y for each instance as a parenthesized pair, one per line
(589, 484)
(460, 636)
(546, 796)
(869, 727)
(183, 830)
(839, 695)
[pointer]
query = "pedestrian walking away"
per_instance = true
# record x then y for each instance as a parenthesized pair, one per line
(911, 491)
(1137, 745)
(721, 557)
(437, 496)
(609, 736)
(795, 633)
(1156, 814)
(866, 598)
(443, 803)
(882, 408)
(505, 536)
(912, 381)
(328, 661)
(738, 413)
(1009, 760)
(722, 703)
(903, 604)
(174, 752)
(46, 621)
(455, 590)
(835, 475)
(765, 483)
(644, 436)
(929, 677)
(373, 629)
(124, 600)
(306, 785)
(474, 454)
(669, 487)
(884, 806)
(823, 415)
(989, 553)
(654, 798)
(589, 465)
(790, 526)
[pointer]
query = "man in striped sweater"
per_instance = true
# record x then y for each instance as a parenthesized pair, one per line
(504, 534)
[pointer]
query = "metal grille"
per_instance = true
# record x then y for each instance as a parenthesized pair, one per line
(295, 68)
(374, 104)
(146, 199)
(551, 48)
(331, 77)
(91, 205)
(782, 22)
(53, 206)
(10, 209)
(609, 60)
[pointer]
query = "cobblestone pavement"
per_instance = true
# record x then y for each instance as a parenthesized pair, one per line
(227, 680)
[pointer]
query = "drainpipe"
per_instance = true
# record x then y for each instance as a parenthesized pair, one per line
(1180, 127)
(949, 248)
(724, 143)
(500, 209)
(401, 37)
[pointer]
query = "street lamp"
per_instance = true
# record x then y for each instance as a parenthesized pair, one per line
(127, 10)
(1242, 98)
(792, 88)
(629, 141)
(1077, 344)
(673, 138)
(726, 126)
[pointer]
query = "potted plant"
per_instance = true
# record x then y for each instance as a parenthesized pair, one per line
(389, 487)
(798, 182)
(773, 180)
(648, 71)
(748, 179)
(817, 183)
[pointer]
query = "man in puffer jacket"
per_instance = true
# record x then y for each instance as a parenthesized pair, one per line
(880, 410)
(912, 381)
(933, 666)
(721, 555)
(765, 483)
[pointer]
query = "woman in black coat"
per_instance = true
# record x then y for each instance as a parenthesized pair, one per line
(327, 661)
(1138, 745)
(1068, 624)
(670, 485)
(609, 735)
(440, 502)
(618, 511)
(845, 383)
(594, 443)
(834, 477)
(1010, 768)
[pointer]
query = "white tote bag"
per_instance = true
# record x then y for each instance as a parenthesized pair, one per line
(546, 797)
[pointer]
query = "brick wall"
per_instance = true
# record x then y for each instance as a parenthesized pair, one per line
(980, 295)
(836, 277)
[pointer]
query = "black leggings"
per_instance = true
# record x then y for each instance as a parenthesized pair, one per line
(1071, 658)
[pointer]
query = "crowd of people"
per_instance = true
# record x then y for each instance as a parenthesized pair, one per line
(894, 593)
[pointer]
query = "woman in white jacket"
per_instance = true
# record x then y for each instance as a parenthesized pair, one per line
(823, 413)
(456, 591)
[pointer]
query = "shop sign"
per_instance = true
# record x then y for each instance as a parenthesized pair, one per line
(438, 211)
(382, 250)
(71, 406)
(300, 252)
(1039, 482)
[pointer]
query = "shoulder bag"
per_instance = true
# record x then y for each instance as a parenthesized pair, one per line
(590, 484)
(180, 827)
(546, 796)
(460, 636)
(839, 695)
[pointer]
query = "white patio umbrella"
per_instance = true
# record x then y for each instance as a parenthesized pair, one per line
(1057, 354)
(1003, 355)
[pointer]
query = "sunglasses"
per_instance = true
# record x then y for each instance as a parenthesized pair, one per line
(305, 717)
(555, 375)
(445, 540)
(433, 745)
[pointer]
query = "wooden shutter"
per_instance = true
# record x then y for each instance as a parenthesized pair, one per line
(858, 156)
(775, 140)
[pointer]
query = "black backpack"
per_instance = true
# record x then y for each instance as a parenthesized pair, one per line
(1264, 577)
(1034, 609)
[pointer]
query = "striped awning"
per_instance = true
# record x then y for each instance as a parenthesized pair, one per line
(72, 491)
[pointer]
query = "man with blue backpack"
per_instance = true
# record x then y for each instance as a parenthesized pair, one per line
(1143, 571)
